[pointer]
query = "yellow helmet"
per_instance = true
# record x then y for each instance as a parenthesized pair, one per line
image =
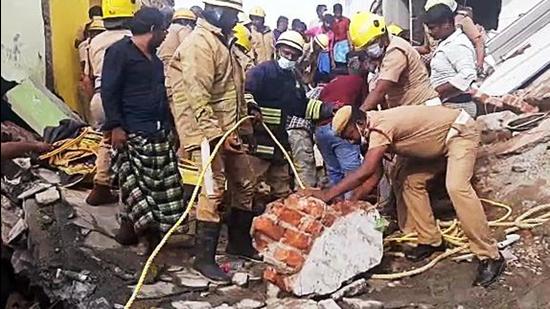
(365, 27)
(322, 40)
(242, 34)
(232, 4)
(394, 29)
(257, 11)
(184, 14)
(293, 39)
(118, 8)
(450, 3)
(96, 24)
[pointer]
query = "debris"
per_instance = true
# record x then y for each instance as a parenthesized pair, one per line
(174, 268)
(240, 279)
(508, 255)
(328, 304)
(47, 197)
(510, 239)
(166, 278)
(357, 303)
(17, 230)
(36, 188)
(249, 304)
(355, 288)
(520, 167)
(286, 303)
(48, 175)
(224, 306)
(47, 220)
(82, 277)
(191, 305)
(189, 279)
(307, 243)
(272, 291)
(100, 303)
(157, 290)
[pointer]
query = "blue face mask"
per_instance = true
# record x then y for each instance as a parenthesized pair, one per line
(286, 64)
(375, 51)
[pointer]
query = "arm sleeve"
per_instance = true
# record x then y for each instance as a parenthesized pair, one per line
(393, 65)
(463, 60)
(111, 88)
(382, 136)
(198, 65)
(469, 28)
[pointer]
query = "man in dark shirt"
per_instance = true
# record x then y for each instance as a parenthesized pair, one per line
(137, 122)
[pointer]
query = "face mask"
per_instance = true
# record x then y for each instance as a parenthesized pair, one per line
(286, 64)
(375, 51)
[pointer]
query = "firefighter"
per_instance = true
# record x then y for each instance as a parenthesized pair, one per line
(208, 101)
(243, 47)
(262, 36)
(274, 88)
(117, 14)
(183, 22)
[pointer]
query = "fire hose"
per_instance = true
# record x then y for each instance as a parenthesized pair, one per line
(450, 230)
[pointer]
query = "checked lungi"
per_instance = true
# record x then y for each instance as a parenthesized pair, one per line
(150, 183)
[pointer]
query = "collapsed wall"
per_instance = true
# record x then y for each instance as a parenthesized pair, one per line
(312, 247)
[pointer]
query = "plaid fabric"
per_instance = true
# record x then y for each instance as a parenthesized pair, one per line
(294, 122)
(149, 180)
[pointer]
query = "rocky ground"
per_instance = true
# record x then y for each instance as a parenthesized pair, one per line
(74, 260)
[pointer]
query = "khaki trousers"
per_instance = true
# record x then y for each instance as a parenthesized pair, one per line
(103, 160)
(230, 168)
(461, 157)
(274, 174)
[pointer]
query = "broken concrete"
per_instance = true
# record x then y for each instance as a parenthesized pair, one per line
(189, 279)
(191, 305)
(48, 196)
(249, 304)
(357, 303)
(307, 243)
(328, 304)
(240, 279)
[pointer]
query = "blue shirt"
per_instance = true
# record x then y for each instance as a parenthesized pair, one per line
(133, 91)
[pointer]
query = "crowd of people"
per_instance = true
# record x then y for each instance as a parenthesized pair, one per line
(355, 87)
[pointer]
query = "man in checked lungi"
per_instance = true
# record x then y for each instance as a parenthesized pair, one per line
(138, 124)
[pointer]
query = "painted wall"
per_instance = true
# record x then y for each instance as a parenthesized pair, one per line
(67, 18)
(23, 41)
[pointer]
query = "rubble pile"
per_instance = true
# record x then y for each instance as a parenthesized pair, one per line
(307, 243)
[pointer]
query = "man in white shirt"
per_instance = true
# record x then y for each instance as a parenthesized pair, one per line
(453, 66)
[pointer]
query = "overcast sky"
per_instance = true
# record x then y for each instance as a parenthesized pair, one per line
(303, 9)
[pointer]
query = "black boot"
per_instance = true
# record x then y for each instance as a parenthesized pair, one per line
(239, 242)
(126, 235)
(422, 252)
(489, 270)
(206, 241)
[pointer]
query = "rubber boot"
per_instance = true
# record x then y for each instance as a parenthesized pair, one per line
(153, 237)
(126, 235)
(239, 242)
(489, 270)
(206, 241)
(101, 195)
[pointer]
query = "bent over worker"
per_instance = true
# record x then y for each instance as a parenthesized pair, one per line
(115, 20)
(208, 101)
(426, 136)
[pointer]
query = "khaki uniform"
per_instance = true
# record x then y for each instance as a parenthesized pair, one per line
(98, 46)
(208, 100)
(263, 44)
(246, 60)
(425, 136)
(402, 65)
(176, 34)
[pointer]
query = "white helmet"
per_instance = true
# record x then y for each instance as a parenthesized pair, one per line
(292, 39)
(450, 3)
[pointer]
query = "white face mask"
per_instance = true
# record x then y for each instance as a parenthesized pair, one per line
(286, 64)
(375, 51)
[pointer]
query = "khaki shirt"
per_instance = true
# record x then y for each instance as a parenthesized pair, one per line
(412, 131)
(174, 37)
(468, 27)
(263, 44)
(403, 66)
(207, 97)
(98, 46)
(84, 56)
(246, 60)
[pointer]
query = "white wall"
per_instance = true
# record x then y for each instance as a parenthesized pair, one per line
(23, 40)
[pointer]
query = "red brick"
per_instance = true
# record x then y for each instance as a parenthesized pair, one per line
(313, 227)
(269, 228)
(297, 239)
(289, 215)
(328, 219)
(314, 209)
(261, 241)
(290, 257)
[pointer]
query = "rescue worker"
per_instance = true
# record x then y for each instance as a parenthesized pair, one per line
(262, 36)
(116, 18)
(425, 135)
(86, 86)
(208, 100)
(464, 21)
(403, 78)
(183, 22)
(275, 89)
(242, 46)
